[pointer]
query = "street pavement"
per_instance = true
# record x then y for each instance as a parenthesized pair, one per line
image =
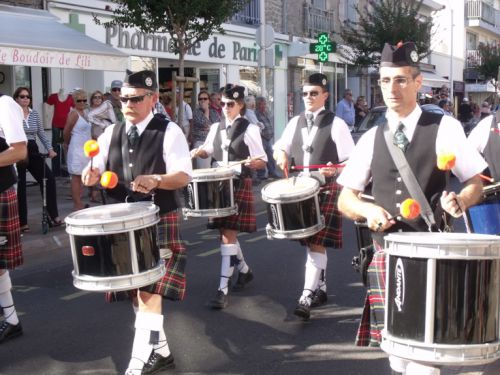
(69, 331)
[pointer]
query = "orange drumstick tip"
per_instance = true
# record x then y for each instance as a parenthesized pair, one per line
(91, 148)
(410, 209)
(109, 180)
(446, 161)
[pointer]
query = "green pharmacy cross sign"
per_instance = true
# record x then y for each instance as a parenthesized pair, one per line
(323, 47)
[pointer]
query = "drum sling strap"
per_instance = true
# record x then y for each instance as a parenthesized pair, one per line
(409, 179)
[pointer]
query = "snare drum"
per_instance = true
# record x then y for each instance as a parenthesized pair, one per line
(210, 193)
(485, 217)
(115, 247)
(442, 297)
(293, 208)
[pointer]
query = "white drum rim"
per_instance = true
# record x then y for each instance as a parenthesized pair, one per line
(294, 234)
(211, 212)
(289, 197)
(119, 283)
(212, 174)
(136, 220)
(449, 354)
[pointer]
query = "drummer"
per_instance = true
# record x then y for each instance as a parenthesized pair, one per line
(317, 136)
(144, 171)
(485, 137)
(424, 136)
(12, 149)
(234, 139)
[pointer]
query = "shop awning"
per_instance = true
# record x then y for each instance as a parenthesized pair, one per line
(35, 37)
(433, 80)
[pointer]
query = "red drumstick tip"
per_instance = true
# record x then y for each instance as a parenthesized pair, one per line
(109, 180)
(91, 148)
(410, 209)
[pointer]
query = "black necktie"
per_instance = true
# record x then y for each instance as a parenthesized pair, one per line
(310, 121)
(400, 139)
(133, 135)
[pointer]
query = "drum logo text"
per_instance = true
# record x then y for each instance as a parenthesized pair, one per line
(88, 251)
(190, 196)
(399, 274)
(274, 214)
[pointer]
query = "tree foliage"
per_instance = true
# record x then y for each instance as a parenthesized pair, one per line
(490, 60)
(384, 21)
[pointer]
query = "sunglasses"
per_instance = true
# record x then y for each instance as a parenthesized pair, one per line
(81, 101)
(134, 99)
(24, 97)
(202, 98)
(229, 104)
(313, 94)
(116, 89)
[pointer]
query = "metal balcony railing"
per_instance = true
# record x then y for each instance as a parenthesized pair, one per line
(317, 20)
(479, 10)
(250, 15)
(473, 58)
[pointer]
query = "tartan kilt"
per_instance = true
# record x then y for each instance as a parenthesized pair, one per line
(244, 220)
(372, 319)
(11, 254)
(173, 284)
(331, 235)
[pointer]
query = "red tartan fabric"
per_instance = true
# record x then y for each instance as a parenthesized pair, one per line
(331, 235)
(173, 284)
(372, 320)
(11, 254)
(244, 220)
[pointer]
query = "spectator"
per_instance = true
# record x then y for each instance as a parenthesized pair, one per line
(34, 163)
(76, 133)
(215, 103)
(116, 89)
(203, 117)
(445, 104)
(267, 135)
(345, 109)
(465, 111)
(186, 123)
(360, 110)
(166, 100)
(101, 114)
(485, 110)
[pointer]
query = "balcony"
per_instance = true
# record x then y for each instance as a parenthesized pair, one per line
(480, 14)
(473, 58)
(317, 21)
(250, 15)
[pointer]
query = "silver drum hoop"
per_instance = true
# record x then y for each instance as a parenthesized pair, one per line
(212, 174)
(443, 245)
(119, 283)
(289, 197)
(112, 218)
(3, 240)
(455, 355)
(294, 234)
(212, 212)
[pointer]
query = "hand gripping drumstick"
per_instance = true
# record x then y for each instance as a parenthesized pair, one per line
(316, 166)
(486, 178)
(232, 164)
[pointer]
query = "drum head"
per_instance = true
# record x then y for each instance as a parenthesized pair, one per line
(443, 245)
(290, 189)
(112, 218)
(212, 174)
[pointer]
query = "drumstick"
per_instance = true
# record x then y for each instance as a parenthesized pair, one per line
(486, 178)
(317, 166)
(232, 164)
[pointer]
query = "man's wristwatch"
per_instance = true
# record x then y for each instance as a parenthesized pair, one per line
(157, 178)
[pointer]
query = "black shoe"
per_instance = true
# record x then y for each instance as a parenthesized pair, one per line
(243, 279)
(9, 331)
(219, 302)
(319, 298)
(211, 225)
(303, 310)
(157, 363)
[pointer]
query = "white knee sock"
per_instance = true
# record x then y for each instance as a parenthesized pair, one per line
(414, 368)
(315, 263)
(162, 347)
(242, 265)
(226, 268)
(6, 301)
(145, 324)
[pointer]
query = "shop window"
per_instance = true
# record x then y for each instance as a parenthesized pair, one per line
(209, 80)
(22, 76)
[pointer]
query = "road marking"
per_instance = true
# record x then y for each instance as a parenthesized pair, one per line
(24, 288)
(57, 241)
(189, 243)
(205, 231)
(70, 297)
(209, 252)
(258, 238)
(261, 213)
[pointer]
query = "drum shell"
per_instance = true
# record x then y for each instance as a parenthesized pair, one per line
(485, 217)
(296, 215)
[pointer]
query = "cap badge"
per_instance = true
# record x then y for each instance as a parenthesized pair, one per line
(414, 56)
(148, 81)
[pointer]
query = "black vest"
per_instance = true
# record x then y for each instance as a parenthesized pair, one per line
(237, 149)
(492, 149)
(146, 158)
(388, 188)
(8, 175)
(324, 149)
